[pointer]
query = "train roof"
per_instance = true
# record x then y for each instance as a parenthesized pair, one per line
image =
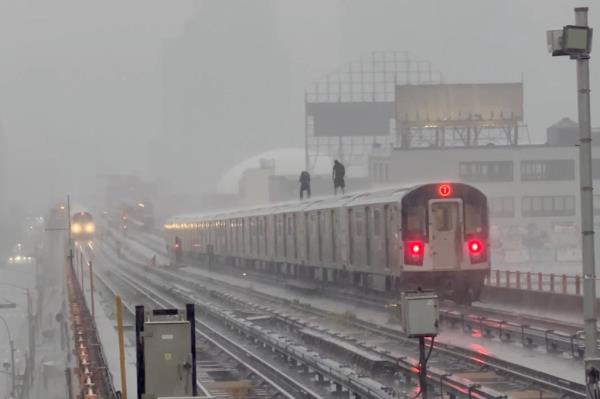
(350, 199)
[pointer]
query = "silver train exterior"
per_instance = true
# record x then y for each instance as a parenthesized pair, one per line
(430, 236)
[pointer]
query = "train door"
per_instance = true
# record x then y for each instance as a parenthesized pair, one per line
(445, 221)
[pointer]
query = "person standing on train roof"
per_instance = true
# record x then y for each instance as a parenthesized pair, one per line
(339, 172)
(304, 184)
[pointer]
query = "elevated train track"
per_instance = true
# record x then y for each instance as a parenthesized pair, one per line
(505, 370)
(280, 384)
(532, 331)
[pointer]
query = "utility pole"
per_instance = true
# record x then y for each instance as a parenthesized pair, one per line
(576, 42)
(70, 240)
(12, 358)
(92, 290)
(31, 320)
(587, 197)
(12, 368)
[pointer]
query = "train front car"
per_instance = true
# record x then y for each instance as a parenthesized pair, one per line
(83, 227)
(445, 233)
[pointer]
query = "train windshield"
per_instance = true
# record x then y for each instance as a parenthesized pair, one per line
(475, 216)
(415, 221)
(444, 215)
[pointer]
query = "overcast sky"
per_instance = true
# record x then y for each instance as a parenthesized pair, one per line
(82, 84)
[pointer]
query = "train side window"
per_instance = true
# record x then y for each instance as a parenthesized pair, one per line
(358, 223)
(474, 218)
(377, 222)
(415, 219)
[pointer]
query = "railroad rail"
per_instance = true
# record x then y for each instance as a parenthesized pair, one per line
(285, 385)
(540, 379)
(556, 336)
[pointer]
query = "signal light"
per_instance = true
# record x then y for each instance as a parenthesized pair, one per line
(444, 190)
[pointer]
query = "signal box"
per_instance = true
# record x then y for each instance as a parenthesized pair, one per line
(166, 352)
(420, 314)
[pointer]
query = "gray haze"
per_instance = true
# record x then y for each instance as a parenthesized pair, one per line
(180, 90)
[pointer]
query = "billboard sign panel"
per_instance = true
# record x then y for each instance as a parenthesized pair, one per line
(487, 104)
(333, 119)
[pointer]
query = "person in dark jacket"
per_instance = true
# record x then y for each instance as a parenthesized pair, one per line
(304, 184)
(339, 172)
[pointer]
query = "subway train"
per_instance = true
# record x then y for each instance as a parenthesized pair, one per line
(136, 214)
(83, 227)
(429, 236)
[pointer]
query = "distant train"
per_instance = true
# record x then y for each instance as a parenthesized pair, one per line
(432, 236)
(83, 227)
(136, 214)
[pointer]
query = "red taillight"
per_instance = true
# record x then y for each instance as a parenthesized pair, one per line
(477, 250)
(413, 253)
(475, 246)
(416, 248)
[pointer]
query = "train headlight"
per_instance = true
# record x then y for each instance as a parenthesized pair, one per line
(90, 228)
(76, 228)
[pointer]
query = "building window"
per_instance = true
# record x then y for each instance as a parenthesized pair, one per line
(596, 169)
(534, 206)
(486, 171)
(548, 170)
(596, 204)
(502, 207)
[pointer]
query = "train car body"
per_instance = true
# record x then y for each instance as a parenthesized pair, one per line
(83, 227)
(431, 236)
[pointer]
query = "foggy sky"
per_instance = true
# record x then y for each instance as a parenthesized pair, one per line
(83, 85)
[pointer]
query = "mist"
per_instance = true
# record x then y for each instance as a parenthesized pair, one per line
(178, 92)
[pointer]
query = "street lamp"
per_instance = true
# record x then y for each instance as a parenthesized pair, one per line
(30, 319)
(12, 356)
(576, 42)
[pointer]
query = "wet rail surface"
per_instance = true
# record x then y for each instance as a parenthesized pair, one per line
(504, 368)
(265, 377)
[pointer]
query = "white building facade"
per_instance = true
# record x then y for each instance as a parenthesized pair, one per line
(533, 193)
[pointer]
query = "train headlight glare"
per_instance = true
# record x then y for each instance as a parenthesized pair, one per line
(76, 228)
(90, 228)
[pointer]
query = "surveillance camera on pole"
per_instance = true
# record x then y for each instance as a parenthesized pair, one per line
(575, 41)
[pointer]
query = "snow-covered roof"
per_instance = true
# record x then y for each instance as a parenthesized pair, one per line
(349, 199)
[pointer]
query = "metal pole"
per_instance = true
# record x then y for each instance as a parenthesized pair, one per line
(587, 197)
(69, 230)
(306, 157)
(12, 367)
(31, 329)
(92, 291)
(422, 368)
(82, 272)
(119, 315)
(12, 354)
